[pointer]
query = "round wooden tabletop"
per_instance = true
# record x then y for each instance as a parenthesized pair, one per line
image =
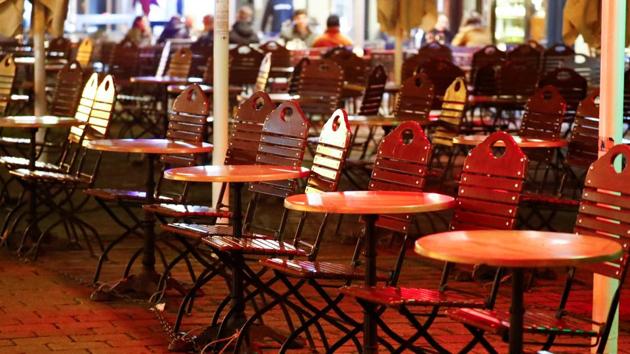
(369, 202)
(176, 89)
(283, 97)
(165, 80)
(516, 248)
(236, 173)
(32, 122)
(147, 146)
(373, 121)
(474, 140)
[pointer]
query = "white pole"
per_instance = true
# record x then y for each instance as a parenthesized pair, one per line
(39, 52)
(358, 25)
(220, 85)
(610, 132)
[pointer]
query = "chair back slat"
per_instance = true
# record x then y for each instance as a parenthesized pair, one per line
(544, 114)
(263, 73)
(330, 154)
(415, 98)
(123, 62)
(244, 65)
(453, 108)
(582, 150)
(7, 77)
(605, 207)
(68, 90)
(490, 186)
(401, 165)
(282, 142)
(373, 93)
(247, 128)
(179, 63)
(320, 87)
(571, 86)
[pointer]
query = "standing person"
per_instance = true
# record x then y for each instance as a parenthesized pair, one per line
(242, 31)
(175, 28)
(440, 33)
(140, 32)
(206, 37)
(473, 33)
(332, 37)
(298, 31)
(280, 11)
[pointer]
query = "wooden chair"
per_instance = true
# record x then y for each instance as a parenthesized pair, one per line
(603, 213)
(123, 61)
(201, 52)
(244, 65)
(554, 57)
(487, 198)
(488, 56)
(280, 59)
(355, 71)
(77, 172)
(441, 73)
(587, 67)
(7, 78)
(263, 73)
(544, 114)
(320, 87)
(515, 79)
(294, 79)
(415, 99)
(435, 50)
(571, 86)
(400, 165)
(530, 56)
(179, 63)
(59, 48)
(84, 52)
(187, 123)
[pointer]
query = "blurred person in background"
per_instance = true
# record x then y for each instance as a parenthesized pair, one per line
(332, 37)
(140, 32)
(472, 33)
(242, 31)
(440, 32)
(297, 34)
(280, 11)
(175, 28)
(206, 37)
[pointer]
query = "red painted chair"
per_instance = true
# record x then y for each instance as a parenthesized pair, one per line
(415, 99)
(571, 86)
(487, 198)
(603, 213)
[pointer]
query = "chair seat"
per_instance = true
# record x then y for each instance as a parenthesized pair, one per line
(183, 210)
(319, 270)
(534, 322)
(197, 231)
(17, 162)
(392, 296)
(113, 194)
(10, 140)
(49, 176)
(252, 246)
(549, 200)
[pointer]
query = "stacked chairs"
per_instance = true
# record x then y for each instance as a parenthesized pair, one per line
(554, 57)
(84, 53)
(571, 86)
(187, 123)
(320, 88)
(244, 65)
(603, 213)
(415, 99)
(400, 165)
(487, 198)
(441, 73)
(76, 171)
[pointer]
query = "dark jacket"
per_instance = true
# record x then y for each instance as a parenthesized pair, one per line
(280, 11)
(243, 33)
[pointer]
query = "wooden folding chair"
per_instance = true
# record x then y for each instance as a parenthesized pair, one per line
(441, 73)
(84, 53)
(320, 87)
(244, 65)
(554, 57)
(603, 213)
(487, 198)
(415, 99)
(571, 86)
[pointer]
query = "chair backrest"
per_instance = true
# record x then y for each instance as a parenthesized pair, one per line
(246, 129)
(401, 165)
(59, 47)
(294, 79)
(244, 65)
(102, 110)
(490, 186)
(410, 66)
(582, 150)
(554, 56)
(587, 67)
(123, 62)
(604, 213)
(441, 73)
(201, 51)
(179, 63)
(415, 98)
(516, 78)
(320, 87)
(282, 142)
(435, 50)
(569, 83)
(526, 54)
(280, 55)
(374, 90)
(263, 73)
(84, 108)
(355, 68)
(68, 90)
(453, 109)
(488, 55)
(544, 114)
(7, 77)
(330, 155)
(84, 52)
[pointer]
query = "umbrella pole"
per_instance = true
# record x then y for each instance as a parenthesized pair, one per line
(39, 68)
(220, 92)
(610, 133)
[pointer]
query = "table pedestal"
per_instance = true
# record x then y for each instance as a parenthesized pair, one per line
(516, 312)
(369, 323)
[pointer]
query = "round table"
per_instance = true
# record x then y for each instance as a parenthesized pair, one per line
(517, 250)
(146, 282)
(237, 176)
(283, 97)
(373, 121)
(529, 143)
(179, 88)
(369, 204)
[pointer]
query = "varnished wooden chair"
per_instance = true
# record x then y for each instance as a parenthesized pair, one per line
(529, 55)
(603, 213)
(441, 73)
(487, 198)
(180, 62)
(436, 50)
(571, 86)
(244, 65)
(484, 57)
(321, 83)
(294, 79)
(415, 99)
(263, 73)
(554, 57)
(59, 48)
(84, 53)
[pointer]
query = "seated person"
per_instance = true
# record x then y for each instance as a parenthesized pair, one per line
(332, 37)
(298, 31)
